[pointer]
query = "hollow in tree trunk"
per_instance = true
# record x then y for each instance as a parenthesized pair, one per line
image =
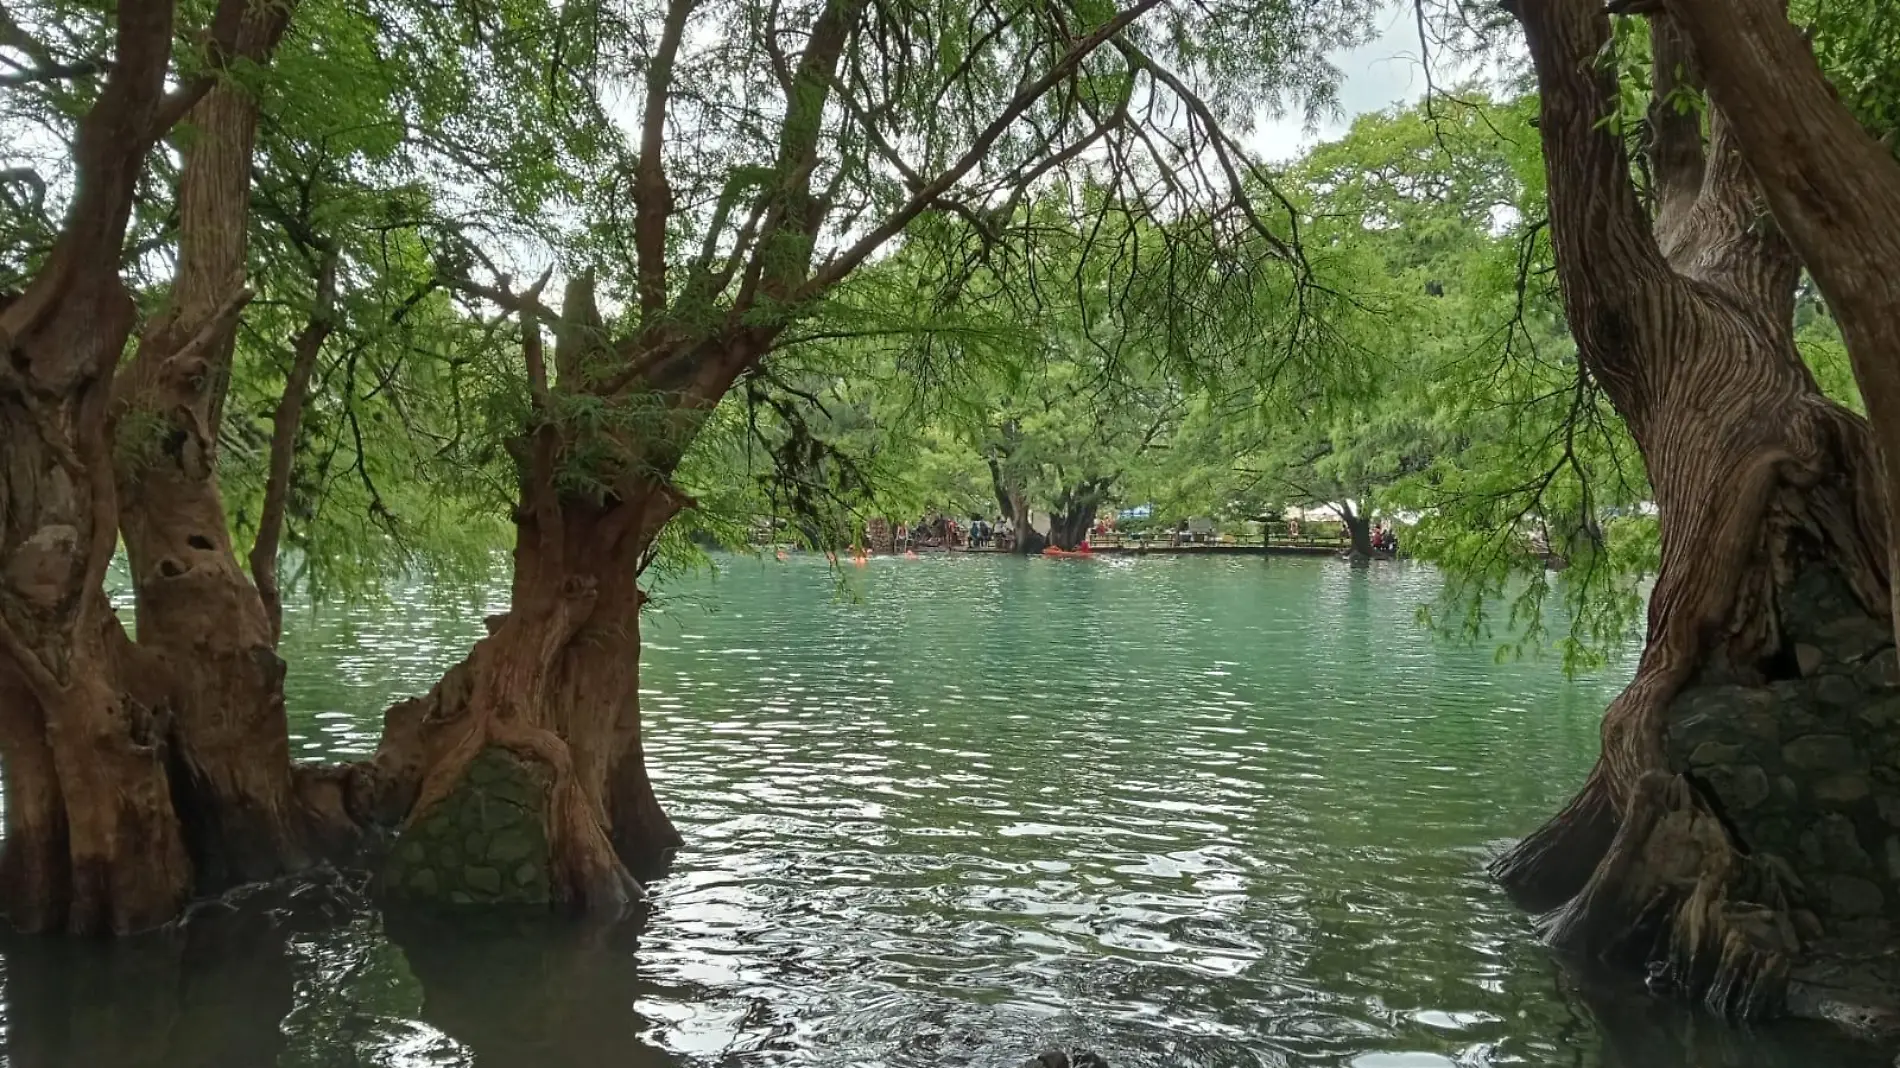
(198, 615)
(1723, 837)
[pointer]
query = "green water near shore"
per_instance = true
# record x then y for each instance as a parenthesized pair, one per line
(1183, 811)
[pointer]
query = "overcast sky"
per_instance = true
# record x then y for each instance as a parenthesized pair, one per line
(1376, 75)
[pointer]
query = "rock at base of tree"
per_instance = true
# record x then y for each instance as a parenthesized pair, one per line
(484, 844)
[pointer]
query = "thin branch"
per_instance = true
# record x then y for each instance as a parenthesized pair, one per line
(653, 197)
(920, 199)
(283, 441)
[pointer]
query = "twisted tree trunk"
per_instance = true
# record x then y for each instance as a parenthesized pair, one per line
(1014, 504)
(1358, 531)
(521, 776)
(1767, 492)
(92, 843)
(1070, 523)
(1835, 190)
(198, 615)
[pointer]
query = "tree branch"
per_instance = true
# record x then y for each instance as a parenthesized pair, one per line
(653, 196)
(283, 441)
(848, 260)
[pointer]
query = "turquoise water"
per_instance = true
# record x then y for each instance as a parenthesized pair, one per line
(953, 811)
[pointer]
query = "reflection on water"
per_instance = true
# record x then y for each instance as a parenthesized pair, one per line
(1186, 812)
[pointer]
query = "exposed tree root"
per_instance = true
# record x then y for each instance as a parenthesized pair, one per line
(1675, 894)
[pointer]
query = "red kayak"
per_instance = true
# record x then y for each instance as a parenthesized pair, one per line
(1053, 551)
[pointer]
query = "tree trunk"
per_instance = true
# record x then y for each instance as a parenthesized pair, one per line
(521, 777)
(285, 422)
(542, 715)
(197, 612)
(92, 843)
(1773, 538)
(1359, 529)
(1834, 189)
(1014, 504)
(1069, 525)
(1028, 541)
(1068, 530)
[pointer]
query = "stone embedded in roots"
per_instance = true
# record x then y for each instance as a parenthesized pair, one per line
(1804, 774)
(485, 843)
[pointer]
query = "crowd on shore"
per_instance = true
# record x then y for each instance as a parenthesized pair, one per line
(943, 532)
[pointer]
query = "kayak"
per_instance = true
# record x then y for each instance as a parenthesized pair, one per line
(1053, 551)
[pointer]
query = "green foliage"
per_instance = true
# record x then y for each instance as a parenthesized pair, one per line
(1108, 304)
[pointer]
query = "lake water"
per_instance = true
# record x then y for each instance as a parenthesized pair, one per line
(1214, 812)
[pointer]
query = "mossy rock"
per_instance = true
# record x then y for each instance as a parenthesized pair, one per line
(484, 844)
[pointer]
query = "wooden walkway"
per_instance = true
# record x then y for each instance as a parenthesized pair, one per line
(1302, 547)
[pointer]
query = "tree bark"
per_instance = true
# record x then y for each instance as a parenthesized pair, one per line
(198, 614)
(1074, 516)
(1834, 189)
(92, 843)
(556, 682)
(1358, 530)
(1013, 503)
(1761, 482)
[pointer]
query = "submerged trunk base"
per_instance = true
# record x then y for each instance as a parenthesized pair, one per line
(1758, 871)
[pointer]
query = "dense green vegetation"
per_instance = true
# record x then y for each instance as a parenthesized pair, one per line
(1411, 360)
(358, 290)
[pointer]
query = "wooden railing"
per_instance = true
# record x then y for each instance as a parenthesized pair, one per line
(1168, 539)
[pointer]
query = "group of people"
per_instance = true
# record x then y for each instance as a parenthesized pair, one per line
(943, 532)
(1385, 540)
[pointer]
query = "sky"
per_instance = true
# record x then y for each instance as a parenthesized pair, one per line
(1375, 75)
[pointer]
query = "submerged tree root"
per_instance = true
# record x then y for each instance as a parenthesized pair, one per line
(1675, 896)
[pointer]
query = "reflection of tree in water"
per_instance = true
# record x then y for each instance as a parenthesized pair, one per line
(358, 1003)
(208, 995)
(1639, 1031)
(311, 977)
(528, 990)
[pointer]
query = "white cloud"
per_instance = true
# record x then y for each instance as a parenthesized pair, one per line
(1376, 75)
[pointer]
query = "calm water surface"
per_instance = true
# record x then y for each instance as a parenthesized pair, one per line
(1186, 812)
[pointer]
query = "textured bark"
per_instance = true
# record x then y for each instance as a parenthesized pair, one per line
(556, 681)
(1014, 503)
(1686, 322)
(1834, 189)
(92, 844)
(197, 612)
(96, 838)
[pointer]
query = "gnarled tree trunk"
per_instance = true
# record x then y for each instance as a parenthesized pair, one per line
(92, 843)
(1014, 503)
(552, 691)
(198, 615)
(1358, 531)
(1834, 189)
(521, 776)
(1678, 852)
(1074, 516)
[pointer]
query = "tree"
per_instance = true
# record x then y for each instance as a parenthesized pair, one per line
(768, 166)
(93, 844)
(1834, 188)
(1771, 520)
